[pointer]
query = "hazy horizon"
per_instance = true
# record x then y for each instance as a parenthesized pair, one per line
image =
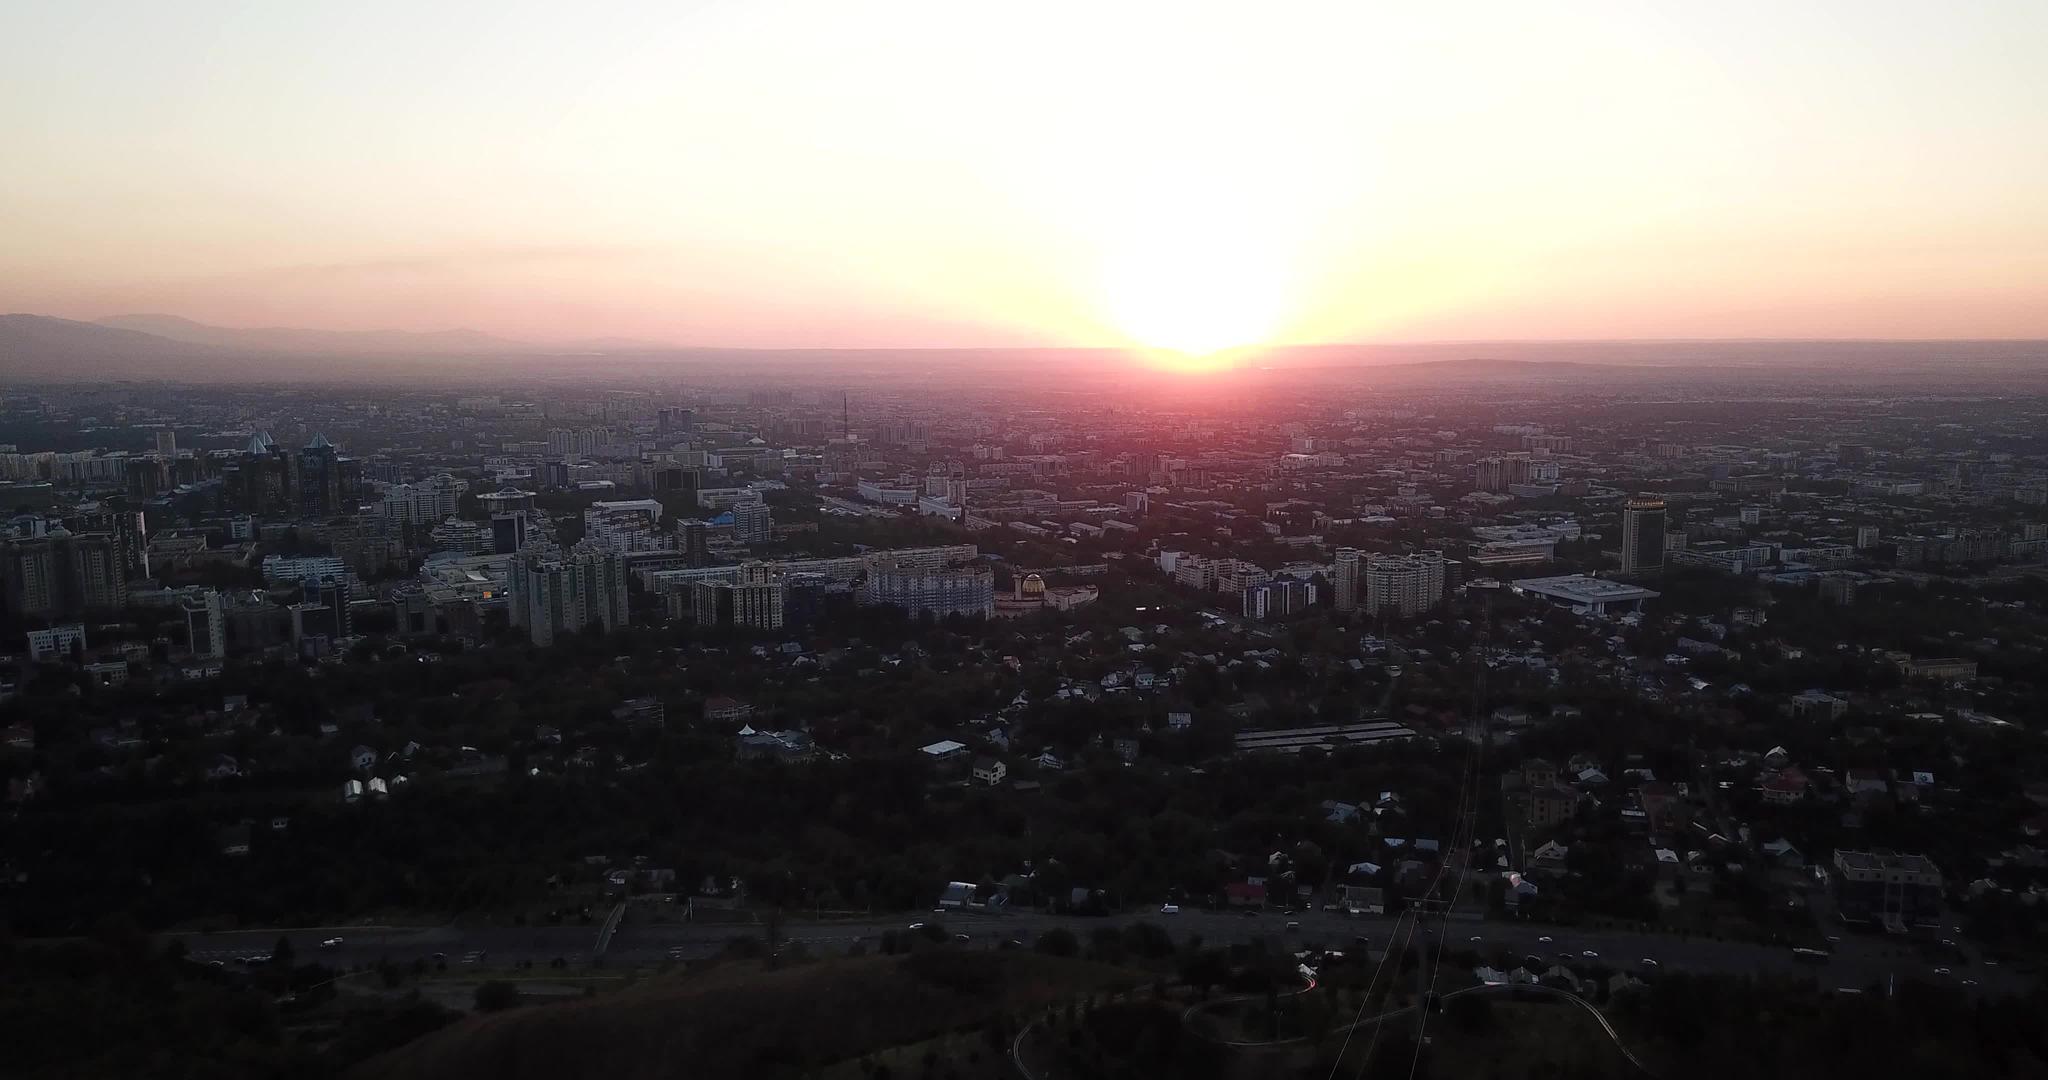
(919, 175)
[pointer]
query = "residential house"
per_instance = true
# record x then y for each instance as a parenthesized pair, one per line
(989, 771)
(362, 758)
(1549, 859)
(1245, 894)
(1785, 787)
(723, 709)
(1867, 783)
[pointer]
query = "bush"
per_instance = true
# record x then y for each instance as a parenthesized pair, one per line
(496, 996)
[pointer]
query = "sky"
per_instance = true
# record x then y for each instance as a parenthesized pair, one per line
(1183, 176)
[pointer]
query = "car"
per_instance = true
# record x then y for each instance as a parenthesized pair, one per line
(1590, 955)
(916, 926)
(1948, 943)
(1544, 940)
(1647, 962)
(218, 964)
(962, 938)
(1969, 982)
(1293, 926)
(1476, 937)
(1834, 939)
(440, 957)
(331, 943)
(1941, 971)
(1169, 909)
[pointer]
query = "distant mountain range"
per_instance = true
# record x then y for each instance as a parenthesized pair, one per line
(293, 340)
(40, 347)
(167, 346)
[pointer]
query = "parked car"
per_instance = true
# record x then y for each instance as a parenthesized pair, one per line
(1169, 909)
(331, 943)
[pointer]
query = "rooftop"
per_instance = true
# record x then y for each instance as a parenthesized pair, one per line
(1886, 860)
(1580, 589)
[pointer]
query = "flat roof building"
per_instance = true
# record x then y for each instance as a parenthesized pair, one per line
(1585, 595)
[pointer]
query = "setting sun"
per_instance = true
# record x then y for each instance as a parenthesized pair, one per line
(1191, 281)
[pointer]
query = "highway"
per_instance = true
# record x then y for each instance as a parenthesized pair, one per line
(1858, 961)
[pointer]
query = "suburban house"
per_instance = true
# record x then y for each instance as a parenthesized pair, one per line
(1549, 859)
(989, 771)
(363, 758)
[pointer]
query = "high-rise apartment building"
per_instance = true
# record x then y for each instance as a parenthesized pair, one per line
(554, 592)
(751, 523)
(427, 502)
(938, 592)
(1642, 535)
(1405, 585)
(205, 624)
(1502, 472)
(1344, 578)
(60, 573)
(626, 525)
(167, 444)
(1287, 596)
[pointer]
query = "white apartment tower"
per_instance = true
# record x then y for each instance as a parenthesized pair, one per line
(1405, 585)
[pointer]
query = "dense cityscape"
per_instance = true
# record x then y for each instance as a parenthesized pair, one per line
(1602, 685)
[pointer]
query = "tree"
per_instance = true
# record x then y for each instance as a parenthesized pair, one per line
(1059, 941)
(496, 996)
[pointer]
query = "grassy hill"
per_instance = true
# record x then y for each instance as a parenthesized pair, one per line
(740, 1020)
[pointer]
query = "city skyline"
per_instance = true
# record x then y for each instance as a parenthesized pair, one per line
(793, 175)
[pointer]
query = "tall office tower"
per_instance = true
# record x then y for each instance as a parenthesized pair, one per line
(205, 625)
(1642, 535)
(167, 443)
(1346, 578)
(563, 592)
(750, 523)
(508, 532)
(1405, 585)
(678, 482)
(318, 479)
(695, 541)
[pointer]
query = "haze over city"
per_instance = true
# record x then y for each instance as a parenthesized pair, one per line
(790, 540)
(1171, 176)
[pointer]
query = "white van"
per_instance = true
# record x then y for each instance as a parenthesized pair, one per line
(1169, 909)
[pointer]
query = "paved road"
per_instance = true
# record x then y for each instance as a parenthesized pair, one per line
(1859, 959)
